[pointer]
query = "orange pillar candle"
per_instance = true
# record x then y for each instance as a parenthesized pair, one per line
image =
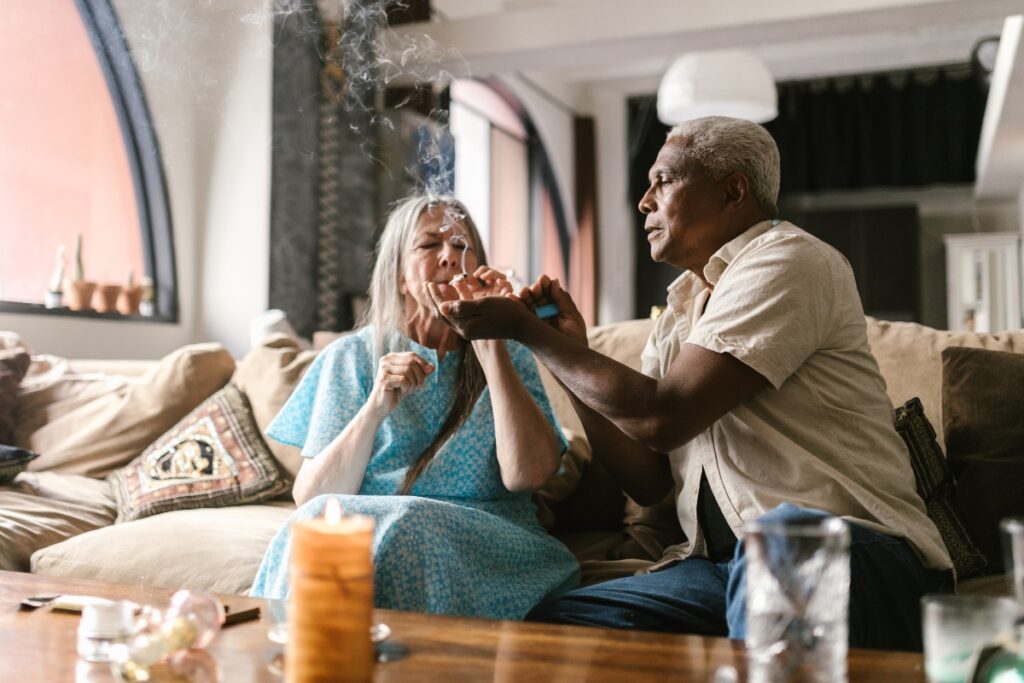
(330, 609)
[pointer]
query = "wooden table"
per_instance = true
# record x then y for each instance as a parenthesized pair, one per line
(40, 646)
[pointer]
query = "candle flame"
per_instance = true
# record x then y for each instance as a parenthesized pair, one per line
(332, 511)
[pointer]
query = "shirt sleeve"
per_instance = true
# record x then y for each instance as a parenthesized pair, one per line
(774, 306)
(526, 367)
(329, 395)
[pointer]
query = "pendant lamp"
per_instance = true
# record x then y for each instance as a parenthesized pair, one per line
(717, 83)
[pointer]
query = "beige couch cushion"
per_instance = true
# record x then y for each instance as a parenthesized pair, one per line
(52, 389)
(109, 430)
(267, 376)
(39, 509)
(910, 358)
(212, 549)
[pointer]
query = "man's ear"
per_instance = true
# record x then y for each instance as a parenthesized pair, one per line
(736, 191)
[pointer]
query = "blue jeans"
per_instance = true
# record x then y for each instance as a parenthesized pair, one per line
(698, 596)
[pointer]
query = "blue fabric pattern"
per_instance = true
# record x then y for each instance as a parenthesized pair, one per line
(461, 543)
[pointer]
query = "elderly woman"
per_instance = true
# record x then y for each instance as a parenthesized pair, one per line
(438, 439)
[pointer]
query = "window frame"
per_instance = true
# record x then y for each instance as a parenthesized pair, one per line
(143, 152)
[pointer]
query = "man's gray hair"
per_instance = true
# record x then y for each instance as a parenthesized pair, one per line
(386, 309)
(723, 145)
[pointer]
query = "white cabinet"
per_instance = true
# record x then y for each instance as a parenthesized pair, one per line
(983, 281)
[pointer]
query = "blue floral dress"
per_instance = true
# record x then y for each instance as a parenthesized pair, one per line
(461, 543)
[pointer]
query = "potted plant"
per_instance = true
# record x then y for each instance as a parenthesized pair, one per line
(105, 298)
(131, 295)
(55, 290)
(79, 289)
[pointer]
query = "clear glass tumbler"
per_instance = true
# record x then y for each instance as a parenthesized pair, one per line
(956, 627)
(798, 594)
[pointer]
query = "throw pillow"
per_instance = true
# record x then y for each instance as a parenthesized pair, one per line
(106, 433)
(983, 418)
(13, 366)
(935, 485)
(267, 376)
(13, 461)
(910, 358)
(214, 457)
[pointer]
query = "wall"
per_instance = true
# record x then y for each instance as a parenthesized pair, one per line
(941, 211)
(206, 73)
(606, 102)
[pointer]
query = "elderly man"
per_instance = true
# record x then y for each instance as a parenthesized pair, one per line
(759, 399)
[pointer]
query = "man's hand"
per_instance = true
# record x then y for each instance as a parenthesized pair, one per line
(488, 317)
(547, 291)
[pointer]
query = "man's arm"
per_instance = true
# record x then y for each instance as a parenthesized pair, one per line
(643, 474)
(700, 386)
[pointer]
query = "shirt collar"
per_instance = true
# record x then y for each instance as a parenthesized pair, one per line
(688, 286)
(725, 255)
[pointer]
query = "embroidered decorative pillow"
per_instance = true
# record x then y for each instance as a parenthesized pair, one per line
(936, 486)
(213, 457)
(13, 461)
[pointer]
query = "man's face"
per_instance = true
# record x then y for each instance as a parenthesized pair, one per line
(683, 208)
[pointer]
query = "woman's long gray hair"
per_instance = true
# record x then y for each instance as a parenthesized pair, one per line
(386, 311)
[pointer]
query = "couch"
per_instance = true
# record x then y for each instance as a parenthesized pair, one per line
(87, 418)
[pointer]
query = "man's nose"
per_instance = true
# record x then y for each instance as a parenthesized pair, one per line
(647, 202)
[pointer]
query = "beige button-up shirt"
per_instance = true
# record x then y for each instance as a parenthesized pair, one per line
(785, 304)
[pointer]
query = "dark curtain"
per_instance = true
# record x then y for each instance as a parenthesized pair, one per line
(886, 130)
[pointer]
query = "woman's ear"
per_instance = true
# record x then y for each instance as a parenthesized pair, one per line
(403, 289)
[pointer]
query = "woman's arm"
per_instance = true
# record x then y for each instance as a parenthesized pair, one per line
(339, 468)
(528, 449)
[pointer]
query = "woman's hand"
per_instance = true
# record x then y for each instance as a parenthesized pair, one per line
(485, 281)
(398, 374)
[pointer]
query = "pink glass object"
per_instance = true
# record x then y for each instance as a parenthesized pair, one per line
(201, 610)
(192, 620)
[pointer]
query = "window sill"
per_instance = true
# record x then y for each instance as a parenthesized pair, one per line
(20, 307)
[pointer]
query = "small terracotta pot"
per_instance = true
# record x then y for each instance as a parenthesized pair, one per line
(79, 294)
(128, 301)
(105, 298)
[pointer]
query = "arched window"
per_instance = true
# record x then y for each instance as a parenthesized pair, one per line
(503, 174)
(80, 161)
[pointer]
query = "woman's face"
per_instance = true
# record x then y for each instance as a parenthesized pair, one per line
(436, 252)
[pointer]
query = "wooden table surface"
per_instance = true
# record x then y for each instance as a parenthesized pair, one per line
(40, 646)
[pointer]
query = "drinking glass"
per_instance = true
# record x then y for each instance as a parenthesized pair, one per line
(798, 593)
(956, 627)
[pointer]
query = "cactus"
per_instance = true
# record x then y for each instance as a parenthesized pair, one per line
(79, 271)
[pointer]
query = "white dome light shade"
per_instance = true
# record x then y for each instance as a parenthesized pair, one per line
(717, 83)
